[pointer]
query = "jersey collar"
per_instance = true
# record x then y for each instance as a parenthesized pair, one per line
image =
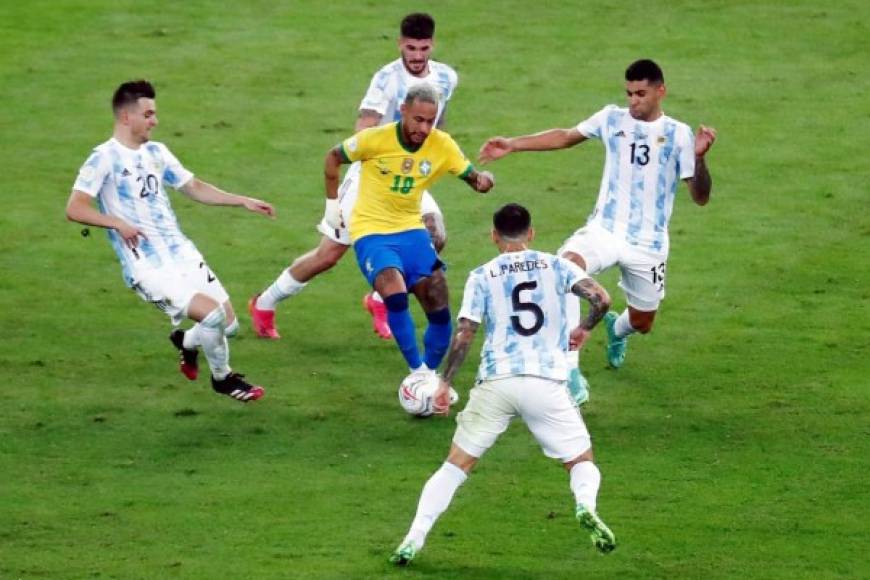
(406, 146)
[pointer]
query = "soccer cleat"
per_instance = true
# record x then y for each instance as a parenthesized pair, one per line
(404, 554)
(187, 357)
(615, 346)
(262, 320)
(379, 316)
(578, 386)
(234, 385)
(602, 538)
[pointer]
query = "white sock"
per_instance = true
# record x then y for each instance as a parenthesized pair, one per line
(436, 497)
(214, 343)
(283, 287)
(232, 329)
(377, 297)
(191, 337)
(585, 480)
(622, 327)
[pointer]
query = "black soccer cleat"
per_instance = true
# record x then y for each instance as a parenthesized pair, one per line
(235, 386)
(187, 357)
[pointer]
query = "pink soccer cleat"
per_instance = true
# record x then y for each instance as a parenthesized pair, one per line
(262, 320)
(379, 316)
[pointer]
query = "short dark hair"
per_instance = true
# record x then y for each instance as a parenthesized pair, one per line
(645, 70)
(418, 25)
(512, 221)
(130, 92)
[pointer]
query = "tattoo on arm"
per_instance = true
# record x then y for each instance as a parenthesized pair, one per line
(462, 339)
(599, 301)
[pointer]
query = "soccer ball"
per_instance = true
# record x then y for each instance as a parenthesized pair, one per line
(416, 391)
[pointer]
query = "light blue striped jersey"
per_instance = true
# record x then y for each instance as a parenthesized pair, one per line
(389, 87)
(521, 299)
(130, 184)
(643, 165)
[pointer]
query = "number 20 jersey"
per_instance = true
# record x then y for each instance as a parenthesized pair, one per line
(129, 184)
(521, 300)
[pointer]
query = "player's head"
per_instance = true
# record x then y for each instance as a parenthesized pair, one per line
(135, 110)
(419, 110)
(645, 89)
(512, 224)
(416, 35)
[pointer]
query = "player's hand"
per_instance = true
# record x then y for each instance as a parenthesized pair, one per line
(332, 214)
(704, 139)
(130, 234)
(258, 206)
(495, 148)
(485, 181)
(441, 398)
(578, 338)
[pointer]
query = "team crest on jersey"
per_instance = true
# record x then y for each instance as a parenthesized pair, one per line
(407, 165)
(661, 139)
(425, 168)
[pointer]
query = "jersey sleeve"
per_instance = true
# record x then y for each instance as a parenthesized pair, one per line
(686, 154)
(473, 300)
(457, 163)
(174, 173)
(378, 97)
(568, 274)
(358, 147)
(593, 127)
(92, 174)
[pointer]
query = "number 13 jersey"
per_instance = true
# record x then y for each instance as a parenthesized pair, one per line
(643, 165)
(521, 299)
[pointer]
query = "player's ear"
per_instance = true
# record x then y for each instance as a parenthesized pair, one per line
(531, 235)
(494, 236)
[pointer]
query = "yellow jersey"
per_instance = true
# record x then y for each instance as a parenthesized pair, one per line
(394, 175)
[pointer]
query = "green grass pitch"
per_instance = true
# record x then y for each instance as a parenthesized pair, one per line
(734, 443)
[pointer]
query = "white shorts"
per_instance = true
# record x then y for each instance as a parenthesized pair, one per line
(171, 288)
(642, 271)
(545, 406)
(347, 194)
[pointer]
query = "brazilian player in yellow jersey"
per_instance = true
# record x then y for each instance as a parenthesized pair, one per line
(392, 246)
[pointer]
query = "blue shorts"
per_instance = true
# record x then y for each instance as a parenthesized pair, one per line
(411, 252)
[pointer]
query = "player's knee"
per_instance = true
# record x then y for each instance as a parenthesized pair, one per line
(642, 322)
(217, 318)
(585, 456)
(439, 240)
(397, 302)
(441, 316)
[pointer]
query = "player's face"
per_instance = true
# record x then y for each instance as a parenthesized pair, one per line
(415, 54)
(418, 118)
(141, 118)
(644, 99)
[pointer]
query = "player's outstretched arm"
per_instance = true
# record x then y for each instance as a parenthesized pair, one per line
(481, 181)
(204, 192)
(599, 303)
(701, 183)
(459, 347)
(498, 147)
(80, 208)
